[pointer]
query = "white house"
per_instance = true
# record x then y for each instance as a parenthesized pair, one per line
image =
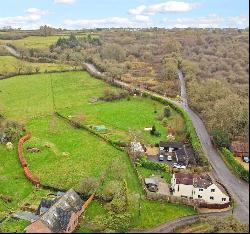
(198, 187)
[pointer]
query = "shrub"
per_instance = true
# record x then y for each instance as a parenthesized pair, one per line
(221, 138)
(236, 166)
(167, 112)
(144, 162)
(110, 95)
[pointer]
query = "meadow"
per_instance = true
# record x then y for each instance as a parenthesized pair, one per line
(10, 64)
(37, 42)
(72, 94)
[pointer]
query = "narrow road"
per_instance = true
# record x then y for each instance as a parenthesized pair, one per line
(12, 51)
(177, 223)
(238, 188)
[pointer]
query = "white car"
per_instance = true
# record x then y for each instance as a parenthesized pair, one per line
(169, 158)
(178, 166)
(161, 158)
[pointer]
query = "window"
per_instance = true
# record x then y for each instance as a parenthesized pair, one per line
(199, 196)
(211, 198)
(178, 188)
(212, 190)
(223, 199)
(200, 189)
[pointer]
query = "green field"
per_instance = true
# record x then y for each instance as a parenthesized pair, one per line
(38, 42)
(11, 64)
(118, 116)
(68, 154)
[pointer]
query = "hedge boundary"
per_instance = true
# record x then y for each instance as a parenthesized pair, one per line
(234, 165)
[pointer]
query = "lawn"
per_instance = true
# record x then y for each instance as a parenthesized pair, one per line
(10, 64)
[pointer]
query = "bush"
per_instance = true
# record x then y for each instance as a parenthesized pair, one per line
(144, 162)
(110, 95)
(221, 139)
(236, 166)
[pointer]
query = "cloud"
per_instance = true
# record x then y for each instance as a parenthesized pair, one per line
(165, 7)
(33, 15)
(210, 21)
(66, 2)
(109, 22)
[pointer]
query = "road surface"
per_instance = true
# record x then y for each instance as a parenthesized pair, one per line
(238, 188)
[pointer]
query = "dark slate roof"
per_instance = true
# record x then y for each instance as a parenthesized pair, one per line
(44, 205)
(177, 145)
(58, 216)
(181, 156)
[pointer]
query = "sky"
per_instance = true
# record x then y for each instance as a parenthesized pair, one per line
(78, 14)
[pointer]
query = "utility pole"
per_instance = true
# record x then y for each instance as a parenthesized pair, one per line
(52, 92)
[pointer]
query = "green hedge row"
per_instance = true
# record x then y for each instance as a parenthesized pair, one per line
(235, 165)
(144, 162)
(189, 128)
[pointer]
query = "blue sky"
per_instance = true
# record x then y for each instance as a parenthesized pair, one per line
(76, 14)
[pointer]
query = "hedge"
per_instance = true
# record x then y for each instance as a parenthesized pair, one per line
(234, 164)
(189, 128)
(144, 162)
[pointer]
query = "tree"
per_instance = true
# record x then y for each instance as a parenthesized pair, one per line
(113, 51)
(221, 138)
(89, 185)
(167, 111)
(19, 66)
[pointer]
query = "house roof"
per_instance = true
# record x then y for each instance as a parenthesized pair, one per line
(177, 145)
(44, 205)
(59, 214)
(198, 181)
(184, 178)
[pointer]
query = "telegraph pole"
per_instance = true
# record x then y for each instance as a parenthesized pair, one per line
(52, 92)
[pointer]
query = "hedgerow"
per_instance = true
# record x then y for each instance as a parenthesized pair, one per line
(235, 165)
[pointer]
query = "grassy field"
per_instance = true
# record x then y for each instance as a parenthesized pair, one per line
(40, 42)
(118, 116)
(67, 154)
(10, 64)
(37, 42)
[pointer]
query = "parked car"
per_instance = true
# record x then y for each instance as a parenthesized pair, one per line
(161, 157)
(245, 159)
(169, 158)
(178, 166)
